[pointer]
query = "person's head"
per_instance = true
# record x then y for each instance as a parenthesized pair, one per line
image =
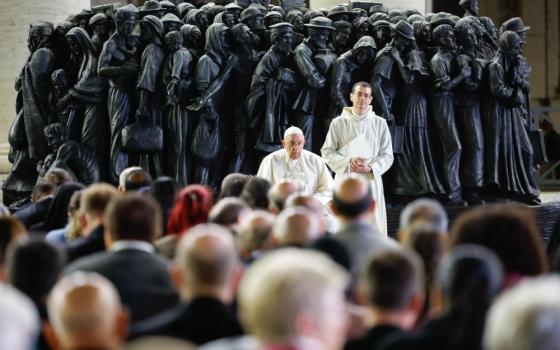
(232, 185)
(279, 192)
(123, 176)
(59, 82)
(42, 190)
(55, 135)
(242, 35)
(254, 231)
(191, 36)
(228, 212)
(99, 25)
(293, 142)
(295, 18)
(33, 266)
(19, 320)
(227, 18)
(173, 41)
(126, 18)
(272, 17)
(151, 27)
(382, 31)
(281, 35)
(363, 51)
(310, 202)
(205, 262)
(510, 44)
(470, 6)
(138, 178)
(10, 230)
(422, 33)
(490, 27)
(255, 193)
(352, 198)
(342, 33)
(132, 217)
(85, 312)
(361, 97)
(465, 33)
(296, 227)
(58, 177)
(319, 30)
(509, 231)
(93, 202)
(526, 317)
(429, 243)
(191, 208)
(424, 210)
(253, 18)
(393, 285)
(443, 37)
(39, 35)
(291, 295)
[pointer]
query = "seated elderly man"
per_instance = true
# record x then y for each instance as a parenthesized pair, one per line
(295, 163)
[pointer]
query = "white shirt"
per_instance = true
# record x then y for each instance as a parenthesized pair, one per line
(344, 129)
(309, 169)
(132, 244)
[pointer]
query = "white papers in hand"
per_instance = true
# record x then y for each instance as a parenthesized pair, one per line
(357, 147)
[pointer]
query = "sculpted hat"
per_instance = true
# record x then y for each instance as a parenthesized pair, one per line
(250, 12)
(97, 18)
(292, 130)
(171, 18)
(515, 25)
(272, 14)
(281, 27)
(338, 10)
(184, 7)
(155, 23)
(381, 23)
(151, 6)
(361, 20)
(320, 23)
(378, 8)
(168, 5)
(441, 18)
(84, 14)
(365, 42)
(404, 29)
(233, 6)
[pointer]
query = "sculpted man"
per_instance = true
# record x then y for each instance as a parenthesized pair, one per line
(294, 163)
(359, 141)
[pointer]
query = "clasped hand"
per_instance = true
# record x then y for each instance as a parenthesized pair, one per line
(358, 165)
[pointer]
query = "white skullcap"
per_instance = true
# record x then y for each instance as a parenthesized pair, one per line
(292, 130)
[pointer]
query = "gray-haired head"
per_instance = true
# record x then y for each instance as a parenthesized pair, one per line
(427, 210)
(526, 317)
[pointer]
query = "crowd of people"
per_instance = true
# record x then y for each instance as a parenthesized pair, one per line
(264, 265)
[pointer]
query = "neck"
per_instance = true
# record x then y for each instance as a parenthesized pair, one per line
(92, 224)
(219, 292)
(401, 319)
(359, 113)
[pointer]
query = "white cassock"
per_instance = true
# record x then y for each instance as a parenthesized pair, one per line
(345, 129)
(310, 170)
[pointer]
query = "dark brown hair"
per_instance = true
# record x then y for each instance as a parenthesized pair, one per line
(133, 216)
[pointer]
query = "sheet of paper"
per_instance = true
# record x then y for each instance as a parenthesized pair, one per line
(357, 147)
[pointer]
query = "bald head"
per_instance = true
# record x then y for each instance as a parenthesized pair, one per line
(352, 197)
(206, 257)
(309, 202)
(296, 227)
(279, 192)
(254, 231)
(85, 312)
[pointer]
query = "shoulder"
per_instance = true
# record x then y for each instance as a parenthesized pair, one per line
(89, 263)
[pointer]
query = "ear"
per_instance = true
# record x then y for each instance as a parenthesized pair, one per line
(82, 217)
(121, 324)
(372, 206)
(333, 208)
(50, 336)
(176, 277)
(360, 295)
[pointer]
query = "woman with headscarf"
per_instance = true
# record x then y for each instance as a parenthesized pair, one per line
(226, 18)
(208, 69)
(192, 40)
(508, 151)
(86, 95)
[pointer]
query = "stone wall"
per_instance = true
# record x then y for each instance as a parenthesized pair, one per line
(15, 18)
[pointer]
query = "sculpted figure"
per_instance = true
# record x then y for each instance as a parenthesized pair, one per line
(271, 18)
(100, 28)
(470, 7)
(295, 18)
(362, 26)
(117, 63)
(235, 10)
(341, 37)
(423, 36)
(390, 69)
(468, 112)
(69, 155)
(87, 111)
(152, 7)
(269, 103)
(177, 75)
(349, 68)
(381, 33)
(313, 74)
(509, 156)
(148, 88)
(254, 19)
(208, 69)
(442, 67)
(171, 23)
(58, 111)
(339, 13)
(197, 18)
(490, 36)
(59, 45)
(226, 18)
(192, 40)
(28, 144)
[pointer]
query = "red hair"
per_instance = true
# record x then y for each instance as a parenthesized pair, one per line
(190, 209)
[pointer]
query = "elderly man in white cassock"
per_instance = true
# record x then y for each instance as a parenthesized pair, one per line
(359, 141)
(294, 163)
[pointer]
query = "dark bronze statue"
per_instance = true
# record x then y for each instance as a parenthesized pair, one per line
(470, 7)
(119, 65)
(341, 37)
